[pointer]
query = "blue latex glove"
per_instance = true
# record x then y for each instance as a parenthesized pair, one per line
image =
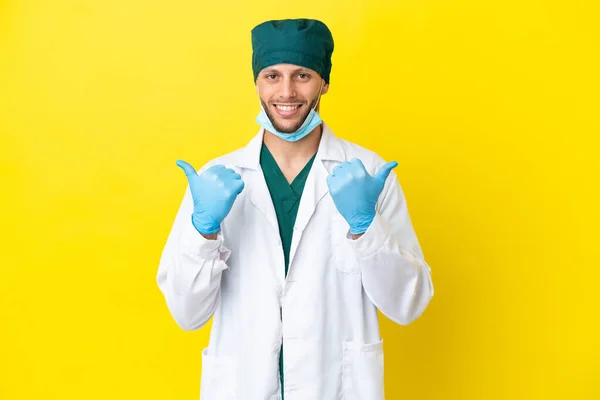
(355, 192)
(214, 192)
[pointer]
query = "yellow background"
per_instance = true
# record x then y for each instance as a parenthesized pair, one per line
(490, 107)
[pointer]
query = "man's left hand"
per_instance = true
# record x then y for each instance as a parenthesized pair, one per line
(355, 192)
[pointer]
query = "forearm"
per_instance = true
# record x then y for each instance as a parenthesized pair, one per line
(190, 277)
(396, 280)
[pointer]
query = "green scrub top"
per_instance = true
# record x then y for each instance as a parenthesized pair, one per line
(286, 200)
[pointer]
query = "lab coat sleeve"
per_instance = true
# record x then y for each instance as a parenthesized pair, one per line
(190, 270)
(395, 276)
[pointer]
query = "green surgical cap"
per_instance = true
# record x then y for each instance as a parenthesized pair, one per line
(304, 42)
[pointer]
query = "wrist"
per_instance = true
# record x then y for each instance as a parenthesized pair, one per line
(361, 225)
(205, 229)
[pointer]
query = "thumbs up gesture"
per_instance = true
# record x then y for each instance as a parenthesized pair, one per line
(355, 192)
(214, 192)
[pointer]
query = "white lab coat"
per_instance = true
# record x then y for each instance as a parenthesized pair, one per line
(332, 348)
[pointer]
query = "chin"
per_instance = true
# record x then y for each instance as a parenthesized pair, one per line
(290, 127)
(286, 129)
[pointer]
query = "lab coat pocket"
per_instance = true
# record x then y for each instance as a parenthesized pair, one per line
(362, 371)
(218, 380)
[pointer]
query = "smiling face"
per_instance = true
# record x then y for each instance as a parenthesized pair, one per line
(287, 93)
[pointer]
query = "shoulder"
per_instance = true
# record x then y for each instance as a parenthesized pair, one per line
(370, 159)
(373, 163)
(228, 160)
(238, 159)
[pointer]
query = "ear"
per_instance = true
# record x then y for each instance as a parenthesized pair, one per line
(325, 89)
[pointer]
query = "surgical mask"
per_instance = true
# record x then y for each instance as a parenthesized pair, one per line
(311, 122)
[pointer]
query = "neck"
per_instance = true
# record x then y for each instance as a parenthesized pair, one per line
(293, 156)
(301, 149)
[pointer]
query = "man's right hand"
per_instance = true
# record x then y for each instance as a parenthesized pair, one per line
(214, 192)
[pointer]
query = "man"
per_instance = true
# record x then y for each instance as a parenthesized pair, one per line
(293, 243)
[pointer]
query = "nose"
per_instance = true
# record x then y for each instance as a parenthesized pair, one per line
(288, 90)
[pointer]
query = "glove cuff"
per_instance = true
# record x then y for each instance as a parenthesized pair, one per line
(361, 226)
(203, 227)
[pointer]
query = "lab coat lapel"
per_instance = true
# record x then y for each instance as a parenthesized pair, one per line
(261, 199)
(249, 157)
(316, 187)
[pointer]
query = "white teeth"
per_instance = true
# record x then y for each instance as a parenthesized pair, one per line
(287, 108)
